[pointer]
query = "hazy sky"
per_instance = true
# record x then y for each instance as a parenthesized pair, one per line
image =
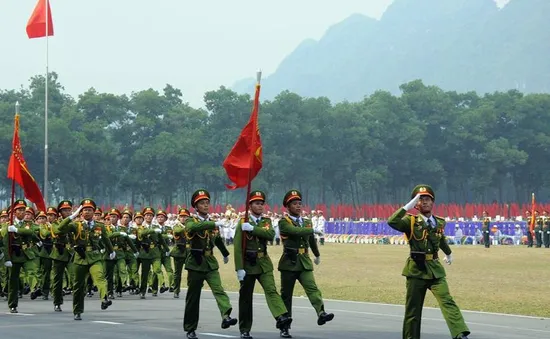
(120, 46)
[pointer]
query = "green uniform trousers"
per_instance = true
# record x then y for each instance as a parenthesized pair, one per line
(195, 282)
(133, 276)
(3, 276)
(121, 274)
(307, 280)
(46, 273)
(58, 270)
(414, 302)
(31, 273)
(546, 239)
(246, 293)
(145, 270)
(178, 271)
(13, 283)
(81, 273)
(110, 274)
(155, 276)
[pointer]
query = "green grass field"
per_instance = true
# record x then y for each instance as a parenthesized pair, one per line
(504, 279)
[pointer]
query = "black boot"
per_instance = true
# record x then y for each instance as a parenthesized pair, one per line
(324, 317)
(228, 322)
(106, 303)
(13, 310)
(57, 308)
(285, 333)
(77, 317)
(191, 335)
(283, 321)
(246, 335)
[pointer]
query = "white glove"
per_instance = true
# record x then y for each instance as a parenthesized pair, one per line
(124, 234)
(1, 256)
(76, 213)
(448, 259)
(39, 244)
(412, 203)
(132, 236)
(317, 260)
(12, 229)
(225, 260)
(158, 230)
(247, 227)
(136, 254)
(102, 250)
(112, 255)
(218, 223)
(7, 264)
(167, 253)
(241, 274)
(170, 236)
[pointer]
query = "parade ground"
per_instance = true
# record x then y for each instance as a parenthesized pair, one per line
(489, 282)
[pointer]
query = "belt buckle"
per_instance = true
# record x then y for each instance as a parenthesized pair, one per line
(429, 257)
(302, 250)
(88, 248)
(187, 246)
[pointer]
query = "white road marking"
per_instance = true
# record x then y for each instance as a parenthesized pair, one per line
(107, 322)
(219, 335)
(22, 314)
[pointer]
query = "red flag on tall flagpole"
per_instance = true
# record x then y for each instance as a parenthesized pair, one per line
(36, 26)
(18, 172)
(244, 161)
(533, 218)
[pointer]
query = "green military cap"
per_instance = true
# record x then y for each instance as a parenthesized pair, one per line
(198, 196)
(291, 196)
(161, 212)
(148, 210)
(51, 210)
(4, 213)
(423, 190)
(256, 196)
(127, 211)
(88, 203)
(19, 203)
(138, 215)
(115, 211)
(65, 204)
(184, 212)
(31, 211)
(98, 211)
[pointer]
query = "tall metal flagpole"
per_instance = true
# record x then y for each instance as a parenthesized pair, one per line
(46, 110)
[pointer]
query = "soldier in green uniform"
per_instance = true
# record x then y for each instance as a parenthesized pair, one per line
(179, 252)
(486, 230)
(545, 229)
(149, 215)
(165, 258)
(32, 271)
(3, 269)
(19, 255)
(150, 243)
(538, 230)
(203, 234)
(45, 234)
(62, 255)
(529, 219)
(90, 237)
(253, 263)
(295, 264)
(131, 254)
(425, 233)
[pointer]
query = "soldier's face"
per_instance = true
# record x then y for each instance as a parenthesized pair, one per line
(138, 221)
(28, 216)
(295, 207)
(161, 219)
(41, 220)
(114, 219)
(87, 213)
(426, 204)
(65, 212)
(183, 218)
(51, 218)
(125, 219)
(3, 220)
(257, 207)
(97, 217)
(203, 206)
(20, 213)
(148, 218)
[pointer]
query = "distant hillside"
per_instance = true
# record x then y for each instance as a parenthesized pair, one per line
(457, 45)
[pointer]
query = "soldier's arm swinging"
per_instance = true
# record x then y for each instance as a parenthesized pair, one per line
(218, 241)
(399, 221)
(287, 228)
(265, 232)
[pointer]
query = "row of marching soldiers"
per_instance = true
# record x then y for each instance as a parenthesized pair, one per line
(77, 244)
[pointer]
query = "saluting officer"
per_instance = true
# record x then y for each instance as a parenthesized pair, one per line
(295, 263)
(253, 263)
(90, 237)
(203, 234)
(423, 270)
(486, 230)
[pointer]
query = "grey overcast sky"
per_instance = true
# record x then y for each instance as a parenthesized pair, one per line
(120, 46)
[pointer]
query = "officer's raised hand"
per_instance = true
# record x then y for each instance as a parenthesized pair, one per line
(411, 204)
(12, 229)
(245, 226)
(76, 213)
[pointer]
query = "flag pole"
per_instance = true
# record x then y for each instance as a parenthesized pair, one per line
(46, 109)
(12, 212)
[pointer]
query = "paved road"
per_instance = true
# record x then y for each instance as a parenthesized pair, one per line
(132, 318)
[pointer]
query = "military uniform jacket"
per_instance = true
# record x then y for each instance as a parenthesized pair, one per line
(539, 224)
(545, 224)
(87, 240)
(485, 226)
(202, 236)
(297, 240)
(21, 244)
(128, 230)
(150, 243)
(35, 239)
(45, 234)
(120, 243)
(181, 246)
(256, 259)
(423, 239)
(62, 244)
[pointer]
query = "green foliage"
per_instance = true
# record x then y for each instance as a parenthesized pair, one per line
(153, 148)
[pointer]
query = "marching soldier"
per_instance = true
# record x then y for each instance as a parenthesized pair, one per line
(131, 253)
(253, 263)
(20, 254)
(538, 229)
(486, 229)
(423, 270)
(158, 279)
(61, 255)
(45, 235)
(3, 269)
(529, 219)
(179, 252)
(295, 263)
(32, 269)
(202, 234)
(545, 229)
(165, 258)
(90, 237)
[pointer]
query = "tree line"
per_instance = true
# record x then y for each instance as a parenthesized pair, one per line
(151, 147)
